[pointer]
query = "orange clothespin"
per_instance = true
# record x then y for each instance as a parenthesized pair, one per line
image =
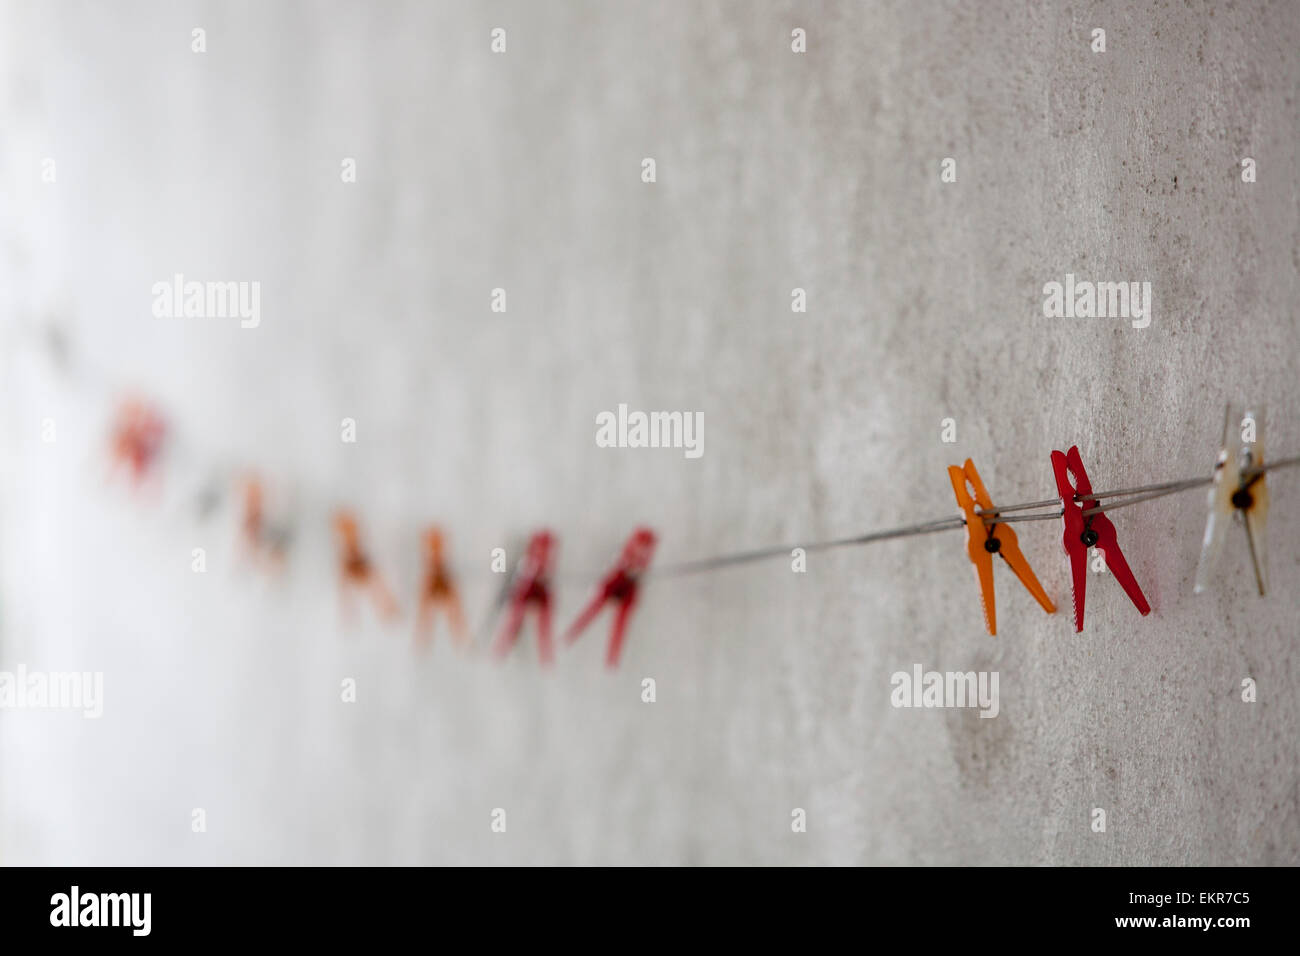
(355, 569)
(137, 439)
(252, 524)
(260, 537)
(982, 542)
(438, 590)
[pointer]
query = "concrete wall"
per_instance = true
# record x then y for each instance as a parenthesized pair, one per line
(522, 171)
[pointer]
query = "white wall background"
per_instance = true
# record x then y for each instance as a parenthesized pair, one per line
(522, 170)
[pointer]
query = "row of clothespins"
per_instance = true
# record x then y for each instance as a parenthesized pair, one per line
(138, 436)
(1238, 488)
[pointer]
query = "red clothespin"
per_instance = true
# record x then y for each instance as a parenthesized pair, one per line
(619, 585)
(1084, 532)
(138, 434)
(439, 590)
(355, 569)
(531, 585)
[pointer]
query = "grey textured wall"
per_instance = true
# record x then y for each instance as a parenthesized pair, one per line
(775, 170)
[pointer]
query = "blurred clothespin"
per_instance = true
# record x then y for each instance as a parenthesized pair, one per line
(531, 585)
(1087, 531)
(137, 438)
(355, 570)
(502, 596)
(1239, 489)
(438, 590)
(261, 537)
(252, 524)
(619, 585)
(983, 541)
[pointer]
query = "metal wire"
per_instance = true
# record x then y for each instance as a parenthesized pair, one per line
(56, 346)
(990, 516)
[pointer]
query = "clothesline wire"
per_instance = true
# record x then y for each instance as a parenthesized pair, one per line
(989, 515)
(57, 347)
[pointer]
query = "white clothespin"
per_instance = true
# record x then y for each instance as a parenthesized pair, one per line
(1239, 489)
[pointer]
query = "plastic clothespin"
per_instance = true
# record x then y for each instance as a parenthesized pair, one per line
(502, 596)
(531, 585)
(619, 585)
(982, 542)
(355, 569)
(261, 538)
(1236, 492)
(253, 523)
(438, 590)
(1084, 532)
(138, 433)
